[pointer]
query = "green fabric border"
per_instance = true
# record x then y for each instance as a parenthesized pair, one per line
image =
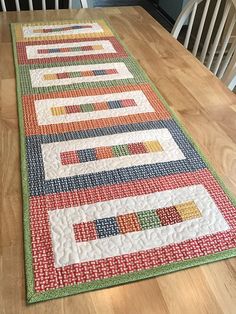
(33, 297)
(24, 181)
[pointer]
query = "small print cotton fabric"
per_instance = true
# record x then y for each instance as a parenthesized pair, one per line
(114, 189)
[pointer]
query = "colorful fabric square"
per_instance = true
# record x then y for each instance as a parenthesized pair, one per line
(128, 223)
(85, 232)
(148, 219)
(68, 158)
(188, 210)
(169, 216)
(106, 227)
(98, 153)
(114, 189)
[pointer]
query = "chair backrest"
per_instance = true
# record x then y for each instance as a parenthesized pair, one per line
(229, 76)
(84, 4)
(216, 53)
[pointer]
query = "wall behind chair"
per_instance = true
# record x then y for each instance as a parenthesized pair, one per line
(77, 4)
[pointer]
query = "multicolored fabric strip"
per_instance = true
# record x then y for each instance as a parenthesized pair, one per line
(114, 190)
(93, 106)
(61, 29)
(122, 224)
(105, 152)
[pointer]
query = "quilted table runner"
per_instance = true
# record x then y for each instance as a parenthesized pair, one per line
(114, 189)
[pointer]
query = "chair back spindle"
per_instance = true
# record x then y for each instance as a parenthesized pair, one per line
(3, 5)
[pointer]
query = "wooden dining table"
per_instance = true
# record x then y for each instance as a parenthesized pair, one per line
(206, 108)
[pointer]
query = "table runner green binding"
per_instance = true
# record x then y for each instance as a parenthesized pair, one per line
(114, 188)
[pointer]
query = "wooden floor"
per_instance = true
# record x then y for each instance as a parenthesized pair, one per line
(207, 109)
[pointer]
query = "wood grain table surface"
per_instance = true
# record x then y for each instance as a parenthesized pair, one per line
(208, 111)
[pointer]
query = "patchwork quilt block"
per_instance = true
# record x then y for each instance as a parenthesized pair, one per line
(114, 188)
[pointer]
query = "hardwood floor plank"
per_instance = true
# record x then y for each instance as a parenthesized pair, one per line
(224, 286)
(188, 292)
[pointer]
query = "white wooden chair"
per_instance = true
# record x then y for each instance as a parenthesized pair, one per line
(217, 51)
(84, 4)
